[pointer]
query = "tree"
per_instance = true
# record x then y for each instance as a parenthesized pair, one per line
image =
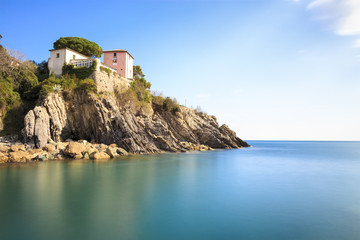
(138, 72)
(81, 45)
(42, 68)
(0, 38)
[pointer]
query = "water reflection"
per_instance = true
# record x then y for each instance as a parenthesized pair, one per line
(265, 192)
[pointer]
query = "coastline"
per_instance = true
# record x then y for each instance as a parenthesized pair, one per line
(16, 152)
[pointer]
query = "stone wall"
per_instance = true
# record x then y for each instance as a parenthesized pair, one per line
(110, 82)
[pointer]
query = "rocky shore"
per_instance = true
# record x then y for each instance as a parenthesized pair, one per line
(103, 120)
(82, 125)
(16, 152)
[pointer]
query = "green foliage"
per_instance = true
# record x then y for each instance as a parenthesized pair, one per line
(81, 45)
(87, 85)
(140, 86)
(42, 68)
(66, 83)
(158, 100)
(79, 72)
(171, 105)
(137, 72)
(104, 69)
(8, 97)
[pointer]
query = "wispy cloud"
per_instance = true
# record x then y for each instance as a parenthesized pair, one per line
(342, 15)
(357, 44)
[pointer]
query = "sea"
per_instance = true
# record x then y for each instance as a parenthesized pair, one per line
(273, 190)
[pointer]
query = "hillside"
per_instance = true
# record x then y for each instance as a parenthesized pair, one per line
(104, 119)
(99, 106)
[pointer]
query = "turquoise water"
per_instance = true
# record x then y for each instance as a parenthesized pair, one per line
(275, 190)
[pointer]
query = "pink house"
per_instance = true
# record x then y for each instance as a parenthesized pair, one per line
(121, 60)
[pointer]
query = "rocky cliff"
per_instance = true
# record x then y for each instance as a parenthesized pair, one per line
(101, 119)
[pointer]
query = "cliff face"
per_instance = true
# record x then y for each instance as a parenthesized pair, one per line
(101, 119)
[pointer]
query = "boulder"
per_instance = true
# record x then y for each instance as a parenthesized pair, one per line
(61, 145)
(49, 148)
(74, 149)
(4, 148)
(59, 156)
(99, 155)
(42, 157)
(3, 158)
(13, 148)
(112, 152)
(113, 145)
(86, 155)
(35, 151)
(21, 147)
(20, 156)
(122, 152)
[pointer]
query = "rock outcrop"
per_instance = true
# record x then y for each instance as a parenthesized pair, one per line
(16, 152)
(103, 120)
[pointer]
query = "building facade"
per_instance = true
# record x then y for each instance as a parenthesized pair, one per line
(121, 60)
(58, 57)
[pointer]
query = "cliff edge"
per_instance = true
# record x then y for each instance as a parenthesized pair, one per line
(101, 119)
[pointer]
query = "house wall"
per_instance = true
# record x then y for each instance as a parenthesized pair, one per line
(124, 64)
(71, 54)
(55, 63)
(129, 66)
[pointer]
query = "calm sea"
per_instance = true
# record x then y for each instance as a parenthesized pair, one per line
(274, 190)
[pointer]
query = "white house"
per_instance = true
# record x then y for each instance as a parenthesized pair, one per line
(118, 61)
(65, 55)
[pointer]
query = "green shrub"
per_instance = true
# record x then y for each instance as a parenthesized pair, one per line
(66, 83)
(141, 88)
(87, 85)
(79, 72)
(170, 105)
(8, 97)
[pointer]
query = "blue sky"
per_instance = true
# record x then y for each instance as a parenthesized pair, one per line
(270, 69)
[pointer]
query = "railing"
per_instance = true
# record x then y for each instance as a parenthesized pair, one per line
(88, 63)
(82, 63)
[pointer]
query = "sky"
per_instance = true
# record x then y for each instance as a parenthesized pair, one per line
(269, 69)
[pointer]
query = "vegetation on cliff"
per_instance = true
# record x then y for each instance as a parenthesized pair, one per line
(135, 119)
(81, 45)
(66, 83)
(18, 82)
(23, 82)
(79, 72)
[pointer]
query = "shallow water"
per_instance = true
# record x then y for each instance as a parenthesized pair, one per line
(274, 190)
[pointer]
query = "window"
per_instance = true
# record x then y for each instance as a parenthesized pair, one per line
(57, 55)
(74, 57)
(114, 54)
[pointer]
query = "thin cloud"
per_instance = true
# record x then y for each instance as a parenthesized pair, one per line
(357, 44)
(342, 15)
